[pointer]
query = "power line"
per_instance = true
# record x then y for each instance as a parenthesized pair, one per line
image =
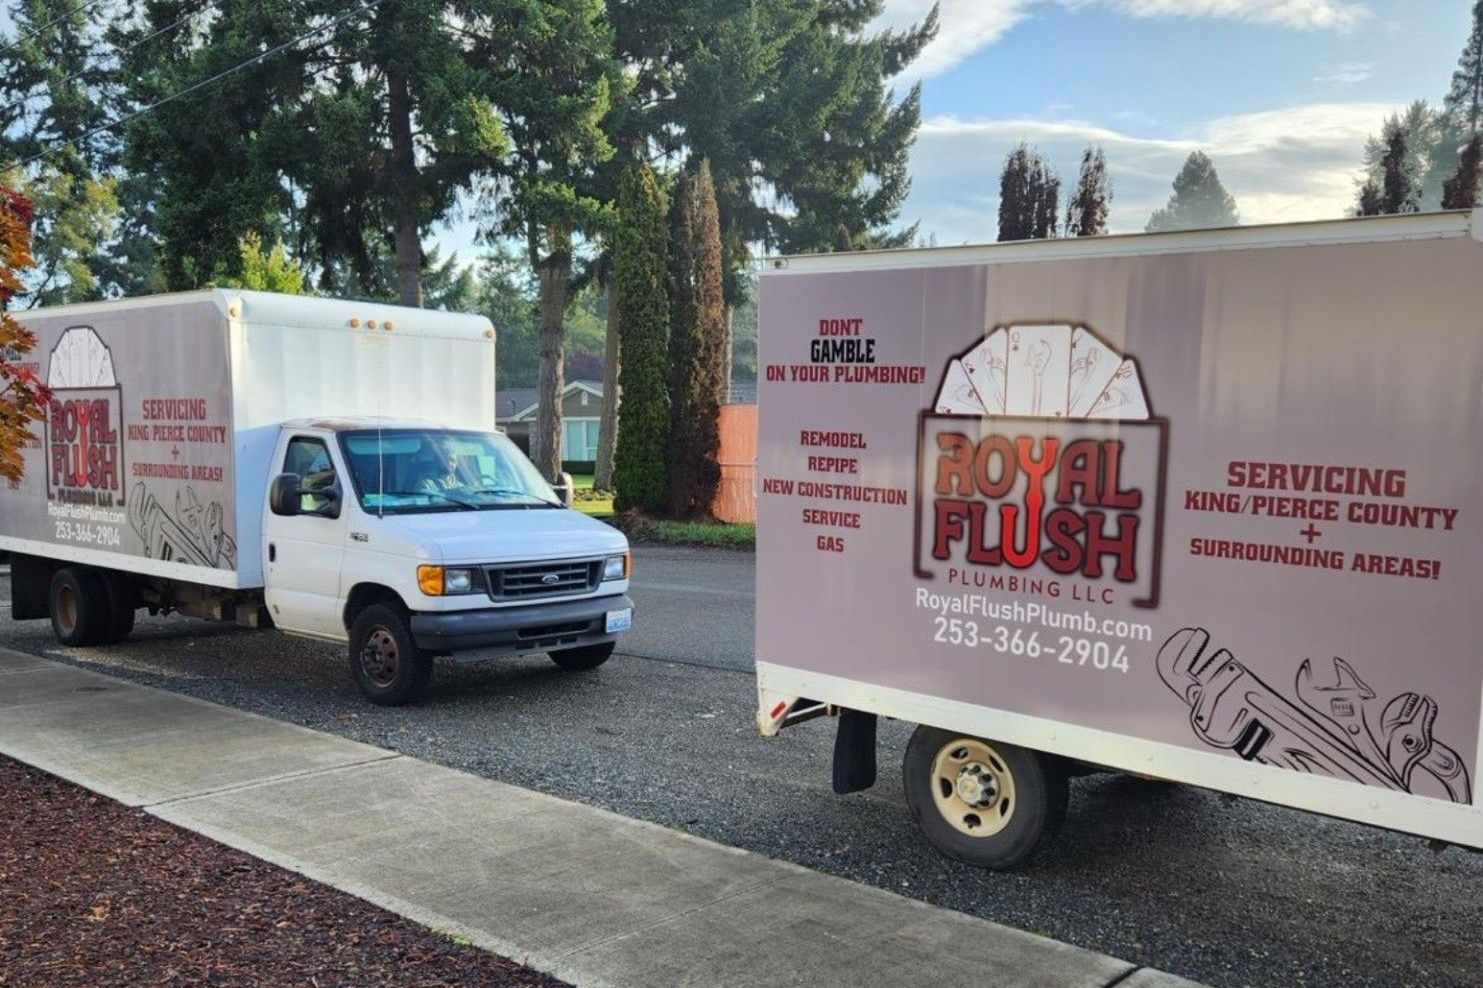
(129, 117)
(51, 23)
(23, 100)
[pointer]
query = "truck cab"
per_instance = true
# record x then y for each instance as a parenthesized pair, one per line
(407, 540)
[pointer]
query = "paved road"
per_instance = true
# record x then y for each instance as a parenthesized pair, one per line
(1174, 878)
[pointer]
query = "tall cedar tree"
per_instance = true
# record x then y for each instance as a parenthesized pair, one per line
(1461, 190)
(23, 396)
(696, 347)
(639, 268)
(1086, 216)
(1029, 197)
(1200, 201)
(789, 102)
(1462, 106)
(1398, 192)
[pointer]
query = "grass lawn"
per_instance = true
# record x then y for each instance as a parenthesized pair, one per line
(600, 508)
(709, 534)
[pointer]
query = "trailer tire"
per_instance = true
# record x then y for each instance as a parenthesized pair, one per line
(389, 668)
(77, 603)
(583, 657)
(984, 803)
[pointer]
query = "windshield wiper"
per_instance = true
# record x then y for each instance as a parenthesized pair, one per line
(516, 492)
(467, 505)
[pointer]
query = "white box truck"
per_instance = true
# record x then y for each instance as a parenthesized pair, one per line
(1205, 507)
(327, 468)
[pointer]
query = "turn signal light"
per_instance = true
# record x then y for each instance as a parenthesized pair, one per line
(430, 580)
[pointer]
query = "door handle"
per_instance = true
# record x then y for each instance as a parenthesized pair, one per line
(272, 552)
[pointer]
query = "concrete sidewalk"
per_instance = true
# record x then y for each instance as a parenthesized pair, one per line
(586, 895)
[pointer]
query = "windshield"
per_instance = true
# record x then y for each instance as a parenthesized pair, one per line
(406, 470)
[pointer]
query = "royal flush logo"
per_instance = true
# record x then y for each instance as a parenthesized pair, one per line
(84, 428)
(1040, 470)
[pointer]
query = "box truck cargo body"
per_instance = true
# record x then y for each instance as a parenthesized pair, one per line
(296, 462)
(1205, 507)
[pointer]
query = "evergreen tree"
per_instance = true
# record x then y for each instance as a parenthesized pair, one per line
(1086, 216)
(639, 270)
(53, 90)
(1427, 161)
(1462, 109)
(266, 270)
(1200, 200)
(697, 341)
(1461, 190)
(1029, 197)
(1398, 191)
(1369, 199)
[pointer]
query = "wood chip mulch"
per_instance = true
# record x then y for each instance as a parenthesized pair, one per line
(94, 893)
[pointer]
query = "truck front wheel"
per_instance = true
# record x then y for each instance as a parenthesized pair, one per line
(79, 607)
(981, 802)
(583, 657)
(389, 668)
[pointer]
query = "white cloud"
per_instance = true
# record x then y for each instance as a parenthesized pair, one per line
(1296, 163)
(1304, 15)
(970, 25)
(1346, 74)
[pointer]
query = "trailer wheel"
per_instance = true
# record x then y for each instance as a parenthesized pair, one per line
(583, 657)
(78, 605)
(389, 668)
(981, 802)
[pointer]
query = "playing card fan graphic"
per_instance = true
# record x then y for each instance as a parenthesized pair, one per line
(1043, 371)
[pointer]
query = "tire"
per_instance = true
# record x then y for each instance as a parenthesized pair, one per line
(123, 601)
(78, 605)
(389, 668)
(984, 803)
(584, 657)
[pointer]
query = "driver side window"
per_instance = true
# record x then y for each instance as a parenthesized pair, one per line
(309, 457)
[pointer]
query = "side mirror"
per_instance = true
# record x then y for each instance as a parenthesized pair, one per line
(283, 495)
(563, 488)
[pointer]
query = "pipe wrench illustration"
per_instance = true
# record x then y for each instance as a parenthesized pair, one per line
(1339, 729)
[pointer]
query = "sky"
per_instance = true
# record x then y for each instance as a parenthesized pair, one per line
(1280, 93)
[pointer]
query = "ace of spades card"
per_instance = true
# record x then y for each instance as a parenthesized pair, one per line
(1038, 366)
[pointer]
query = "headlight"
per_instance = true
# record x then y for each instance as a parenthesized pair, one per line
(617, 567)
(436, 581)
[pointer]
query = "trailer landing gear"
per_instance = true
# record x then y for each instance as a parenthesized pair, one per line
(984, 803)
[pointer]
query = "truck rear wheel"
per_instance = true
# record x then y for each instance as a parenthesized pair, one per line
(583, 657)
(389, 668)
(981, 802)
(79, 608)
(123, 601)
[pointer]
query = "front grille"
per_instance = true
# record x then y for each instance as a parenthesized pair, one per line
(543, 579)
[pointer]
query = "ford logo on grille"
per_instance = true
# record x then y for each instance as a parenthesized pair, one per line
(550, 578)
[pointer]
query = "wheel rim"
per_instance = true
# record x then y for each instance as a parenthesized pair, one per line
(66, 609)
(380, 658)
(973, 787)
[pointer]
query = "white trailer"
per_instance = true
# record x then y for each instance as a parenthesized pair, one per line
(1205, 507)
(324, 467)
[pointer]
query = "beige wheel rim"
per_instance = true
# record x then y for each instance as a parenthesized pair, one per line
(973, 787)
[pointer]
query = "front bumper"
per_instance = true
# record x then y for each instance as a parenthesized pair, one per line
(495, 631)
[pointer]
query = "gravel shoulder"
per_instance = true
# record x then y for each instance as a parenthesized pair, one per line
(95, 893)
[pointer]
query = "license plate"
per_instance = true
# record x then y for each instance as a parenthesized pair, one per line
(620, 620)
